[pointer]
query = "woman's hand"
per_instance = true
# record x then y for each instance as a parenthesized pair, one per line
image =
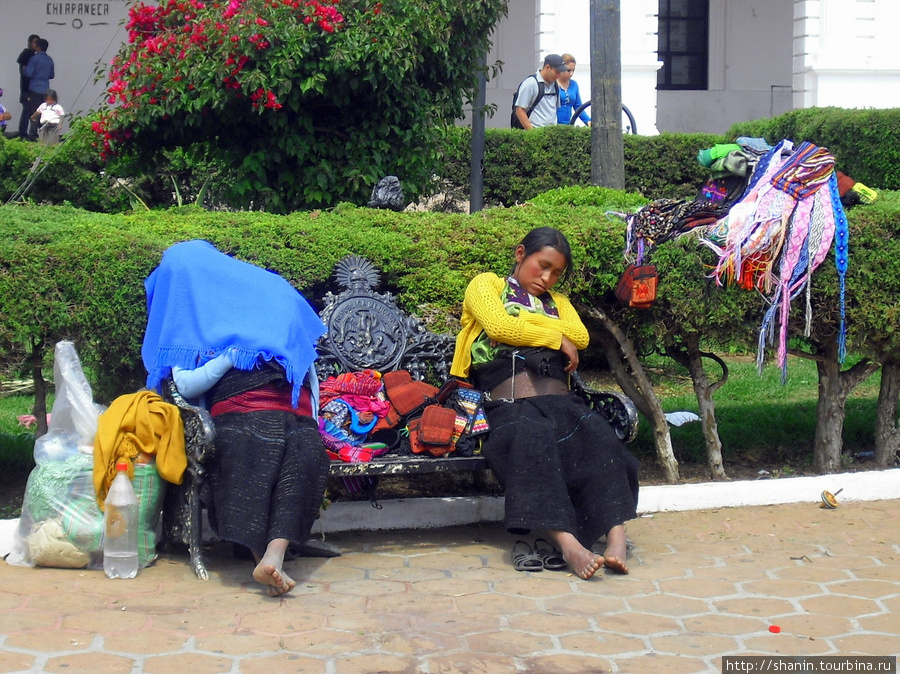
(568, 348)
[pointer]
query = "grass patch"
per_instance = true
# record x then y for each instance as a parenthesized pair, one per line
(16, 443)
(759, 418)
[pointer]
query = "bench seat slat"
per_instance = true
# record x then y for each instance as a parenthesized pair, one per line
(408, 465)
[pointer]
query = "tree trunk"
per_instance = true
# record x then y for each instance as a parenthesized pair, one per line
(607, 146)
(834, 387)
(637, 385)
(887, 431)
(692, 358)
(40, 388)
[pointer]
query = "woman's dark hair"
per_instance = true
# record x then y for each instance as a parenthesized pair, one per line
(541, 237)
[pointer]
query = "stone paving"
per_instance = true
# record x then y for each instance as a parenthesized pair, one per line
(703, 584)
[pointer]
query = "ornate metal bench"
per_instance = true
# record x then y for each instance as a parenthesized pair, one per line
(366, 330)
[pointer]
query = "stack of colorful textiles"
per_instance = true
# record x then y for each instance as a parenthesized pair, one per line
(350, 405)
(730, 166)
(780, 231)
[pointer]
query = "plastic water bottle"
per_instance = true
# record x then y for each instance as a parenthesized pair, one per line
(120, 527)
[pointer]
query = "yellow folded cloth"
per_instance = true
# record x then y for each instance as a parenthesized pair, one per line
(134, 423)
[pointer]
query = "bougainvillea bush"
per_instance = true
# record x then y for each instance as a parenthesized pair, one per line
(302, 103)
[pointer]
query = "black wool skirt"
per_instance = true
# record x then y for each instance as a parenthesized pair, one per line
(562, 467)
(268, 475)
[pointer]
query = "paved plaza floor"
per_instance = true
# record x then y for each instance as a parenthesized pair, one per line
(703, 584)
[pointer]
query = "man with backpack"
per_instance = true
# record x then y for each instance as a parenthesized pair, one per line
(536, 100)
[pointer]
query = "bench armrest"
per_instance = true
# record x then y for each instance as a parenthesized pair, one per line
(616, 408)
(199, 430)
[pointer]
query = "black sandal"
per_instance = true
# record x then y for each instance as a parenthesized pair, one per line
(550, 557)
(526, 559)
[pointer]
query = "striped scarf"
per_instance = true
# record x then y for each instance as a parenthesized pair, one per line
(778, 233)
(815, 219)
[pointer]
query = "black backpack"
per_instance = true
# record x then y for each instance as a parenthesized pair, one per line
(514, 122)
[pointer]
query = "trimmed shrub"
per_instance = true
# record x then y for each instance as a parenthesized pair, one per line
(69, 274)
(865, 143)
(520, 165)
(58, 174)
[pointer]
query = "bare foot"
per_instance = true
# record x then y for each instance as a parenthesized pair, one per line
(616, 550)
(275, 580)
(583, 562)
(269, 569)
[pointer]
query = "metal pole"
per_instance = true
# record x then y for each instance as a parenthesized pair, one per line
(476, 166)
(607, 147)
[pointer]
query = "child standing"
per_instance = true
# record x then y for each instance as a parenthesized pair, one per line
(50, 114)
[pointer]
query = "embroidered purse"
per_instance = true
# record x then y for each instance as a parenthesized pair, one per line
(637, 287)
(433, 431)
(406, 395)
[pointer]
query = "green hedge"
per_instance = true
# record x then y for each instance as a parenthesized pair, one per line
(865, 143)
(58, 174)
(69, 274)
(520, 165)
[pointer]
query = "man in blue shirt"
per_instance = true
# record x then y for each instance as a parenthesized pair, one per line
(39, 72)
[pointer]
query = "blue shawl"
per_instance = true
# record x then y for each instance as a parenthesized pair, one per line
(201, 302)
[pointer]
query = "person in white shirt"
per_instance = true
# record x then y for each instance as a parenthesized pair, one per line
(49, 115)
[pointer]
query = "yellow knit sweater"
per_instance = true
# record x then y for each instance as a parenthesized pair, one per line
(483, 310)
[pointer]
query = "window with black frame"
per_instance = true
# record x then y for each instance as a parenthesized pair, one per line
(683, 44)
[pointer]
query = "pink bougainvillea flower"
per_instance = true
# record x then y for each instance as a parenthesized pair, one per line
(29, 420)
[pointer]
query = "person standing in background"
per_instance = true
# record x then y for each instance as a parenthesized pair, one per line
(4, 116)
(23, 60)
(569, 95)
(538, 96)
(39, 72)
(49, 116)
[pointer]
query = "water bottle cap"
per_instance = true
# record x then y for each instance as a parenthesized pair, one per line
(121, 466)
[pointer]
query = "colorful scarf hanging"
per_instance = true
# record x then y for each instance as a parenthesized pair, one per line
(779, 233)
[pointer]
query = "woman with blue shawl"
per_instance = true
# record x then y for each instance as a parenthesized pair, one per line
(241, 341)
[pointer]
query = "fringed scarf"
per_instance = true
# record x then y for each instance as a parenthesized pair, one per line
(780, 232)
(201, 302)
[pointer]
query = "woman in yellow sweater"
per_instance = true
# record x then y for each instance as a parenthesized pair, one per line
(563, 469)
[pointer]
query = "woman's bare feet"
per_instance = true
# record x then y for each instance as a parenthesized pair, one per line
(583, 562)
(269, 571)
(275, 580)
(616, 550)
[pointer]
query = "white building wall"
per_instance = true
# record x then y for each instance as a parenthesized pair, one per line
(81, 35)
(750, 69)
(846, 53)
(566, 26)
(515, 44)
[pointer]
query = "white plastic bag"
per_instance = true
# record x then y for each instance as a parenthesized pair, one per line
(60, 521)
(73, 420)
